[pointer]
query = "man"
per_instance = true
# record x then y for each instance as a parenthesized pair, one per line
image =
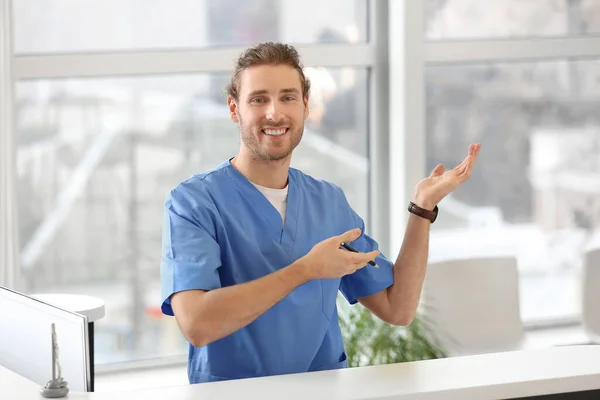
(252, 250)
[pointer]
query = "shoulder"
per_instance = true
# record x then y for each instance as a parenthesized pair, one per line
(328, 199)
(200, 190)
(317, 187)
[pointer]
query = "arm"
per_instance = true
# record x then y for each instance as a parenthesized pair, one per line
(398, 303)
(206, 316)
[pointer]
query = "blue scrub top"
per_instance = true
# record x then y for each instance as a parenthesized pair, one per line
(219, 230)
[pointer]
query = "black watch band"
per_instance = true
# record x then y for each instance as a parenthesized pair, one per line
(431, 215)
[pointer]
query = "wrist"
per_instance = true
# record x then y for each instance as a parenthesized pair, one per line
(422, 212)
(303, 269)
(424, 203)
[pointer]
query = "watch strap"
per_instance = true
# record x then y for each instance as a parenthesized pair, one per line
(431, 215)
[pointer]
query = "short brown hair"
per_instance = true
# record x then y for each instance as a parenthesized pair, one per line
(268, 53)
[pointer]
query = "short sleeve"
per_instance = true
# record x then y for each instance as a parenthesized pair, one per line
(368, 280)
(191, 256)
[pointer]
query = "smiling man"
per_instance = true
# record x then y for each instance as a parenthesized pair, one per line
(252, 249)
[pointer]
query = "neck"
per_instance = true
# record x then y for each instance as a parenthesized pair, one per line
(271, 174)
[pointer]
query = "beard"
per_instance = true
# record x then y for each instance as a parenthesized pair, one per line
(265, 151)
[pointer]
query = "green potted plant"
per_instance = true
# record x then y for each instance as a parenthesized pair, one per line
(370, 341)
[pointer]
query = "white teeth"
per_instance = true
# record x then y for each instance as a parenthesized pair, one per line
(275, 132)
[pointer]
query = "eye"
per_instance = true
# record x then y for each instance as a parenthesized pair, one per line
(257, 100)
(289, 98)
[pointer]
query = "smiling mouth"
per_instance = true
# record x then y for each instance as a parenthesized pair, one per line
(275, 132)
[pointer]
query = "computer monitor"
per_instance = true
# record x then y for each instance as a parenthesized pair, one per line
(26, 341)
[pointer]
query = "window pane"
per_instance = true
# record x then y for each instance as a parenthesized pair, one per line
(96, 159)
(476, 19)
(535, 191)
(91, 25)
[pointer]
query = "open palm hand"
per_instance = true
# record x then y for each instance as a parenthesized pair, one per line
(431, 190)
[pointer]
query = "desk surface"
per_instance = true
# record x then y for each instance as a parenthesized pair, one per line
(487, 376)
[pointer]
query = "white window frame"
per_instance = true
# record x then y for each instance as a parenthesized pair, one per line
(9, 246)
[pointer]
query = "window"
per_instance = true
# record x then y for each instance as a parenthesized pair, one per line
(49, 26)
(475, 19)
(97, 157)
(536, 191)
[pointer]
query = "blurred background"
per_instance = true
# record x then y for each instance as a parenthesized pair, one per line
(99, 145)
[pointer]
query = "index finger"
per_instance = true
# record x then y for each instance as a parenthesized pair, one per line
(474, 149)
(465, 168)
(472, 152)
(365, 258)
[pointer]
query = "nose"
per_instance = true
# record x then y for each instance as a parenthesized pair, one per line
(274, 111)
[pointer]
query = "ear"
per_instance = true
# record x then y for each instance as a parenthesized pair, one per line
(233, 109)
(306, 109)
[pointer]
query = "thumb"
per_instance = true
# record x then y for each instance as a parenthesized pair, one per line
(351, 235)
(438, 170)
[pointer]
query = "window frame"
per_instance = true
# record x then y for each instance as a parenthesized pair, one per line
(9, 242)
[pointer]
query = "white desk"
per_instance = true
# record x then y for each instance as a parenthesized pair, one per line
(489, 376)
(91, 307)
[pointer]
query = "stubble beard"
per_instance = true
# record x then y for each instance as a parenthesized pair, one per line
(256, 152)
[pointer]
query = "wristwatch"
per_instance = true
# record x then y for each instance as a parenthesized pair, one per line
(431, 215)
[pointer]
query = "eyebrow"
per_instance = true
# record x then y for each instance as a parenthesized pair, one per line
(261, 92)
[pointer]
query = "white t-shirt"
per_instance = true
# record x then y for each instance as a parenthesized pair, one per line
(277, 197)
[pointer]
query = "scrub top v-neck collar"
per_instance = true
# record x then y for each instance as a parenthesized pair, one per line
(284, 235)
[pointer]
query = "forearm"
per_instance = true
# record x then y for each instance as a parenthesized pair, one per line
(225, 310)
(409, 269)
